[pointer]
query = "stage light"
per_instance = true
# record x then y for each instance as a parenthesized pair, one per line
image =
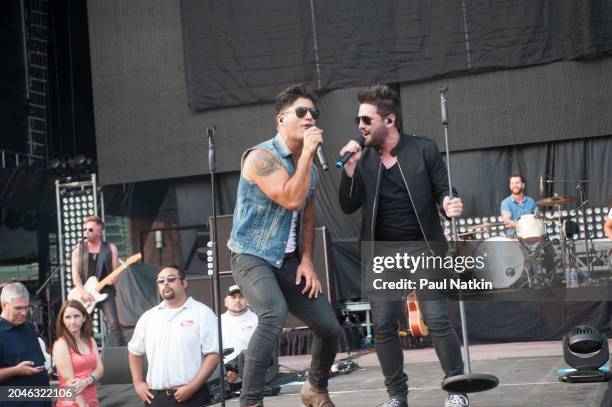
(586, 350)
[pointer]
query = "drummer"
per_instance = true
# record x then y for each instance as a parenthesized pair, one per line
(516, 204)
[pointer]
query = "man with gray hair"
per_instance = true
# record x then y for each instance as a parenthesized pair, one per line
(21, 360)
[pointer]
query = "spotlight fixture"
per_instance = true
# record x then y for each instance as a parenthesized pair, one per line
(586, 350)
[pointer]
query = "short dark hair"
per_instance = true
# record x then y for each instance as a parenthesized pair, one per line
(517, 176)
(94, 219)
(172, 266)
(291, 94)
(384, 98)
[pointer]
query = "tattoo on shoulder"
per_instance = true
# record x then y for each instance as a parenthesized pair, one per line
(265, 164)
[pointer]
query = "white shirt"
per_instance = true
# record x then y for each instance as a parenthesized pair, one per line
(237, 331)
(291, 245)
(175, 340)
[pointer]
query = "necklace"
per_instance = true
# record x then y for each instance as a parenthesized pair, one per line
(95, 256)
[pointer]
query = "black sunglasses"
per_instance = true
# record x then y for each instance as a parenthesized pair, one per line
(301, 111)
(367, 120)
(171, 279)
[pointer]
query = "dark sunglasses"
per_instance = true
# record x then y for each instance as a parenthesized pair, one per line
(367, 120)
(88, 230)
(170, 279)
(301, 111)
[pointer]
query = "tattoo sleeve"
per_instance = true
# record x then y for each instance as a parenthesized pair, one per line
(265, 164)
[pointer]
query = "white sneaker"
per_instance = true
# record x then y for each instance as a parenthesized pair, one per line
(457, 400)
(394, 403)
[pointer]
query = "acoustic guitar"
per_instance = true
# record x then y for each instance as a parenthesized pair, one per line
(415, 317)
(93, 286)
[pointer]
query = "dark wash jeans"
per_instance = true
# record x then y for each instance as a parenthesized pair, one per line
(271, 293)
(109, 307)
(385, 318)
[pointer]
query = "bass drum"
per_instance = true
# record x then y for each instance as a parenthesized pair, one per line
(504, 261)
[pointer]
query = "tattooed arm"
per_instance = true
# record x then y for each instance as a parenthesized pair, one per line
(273, 179)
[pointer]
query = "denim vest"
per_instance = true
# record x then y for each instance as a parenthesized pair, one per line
(260, 225)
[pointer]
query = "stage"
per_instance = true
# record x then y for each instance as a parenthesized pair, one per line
(527, 371)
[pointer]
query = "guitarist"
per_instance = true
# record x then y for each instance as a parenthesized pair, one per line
(95, 257)
(400, 183)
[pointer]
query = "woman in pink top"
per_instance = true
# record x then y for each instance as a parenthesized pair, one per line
(76, 355)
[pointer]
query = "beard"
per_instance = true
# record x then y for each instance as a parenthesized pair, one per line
(516, 190)
(375, 139)
(168, 294)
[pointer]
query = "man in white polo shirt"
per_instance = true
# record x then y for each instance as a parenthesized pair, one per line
(179, 337)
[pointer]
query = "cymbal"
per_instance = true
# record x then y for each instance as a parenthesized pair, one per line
(556, 200)
(558, 217)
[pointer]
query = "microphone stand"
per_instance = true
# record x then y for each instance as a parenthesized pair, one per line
(210, 131)
(468, 382)
(40, 290)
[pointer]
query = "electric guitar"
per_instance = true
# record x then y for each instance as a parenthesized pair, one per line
(415, 318)
(93, 286)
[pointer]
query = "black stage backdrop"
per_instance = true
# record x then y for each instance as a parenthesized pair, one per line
(240, 52)
(145, 129)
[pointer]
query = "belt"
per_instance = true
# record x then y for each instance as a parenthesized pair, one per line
(292, 255)
(166, 392)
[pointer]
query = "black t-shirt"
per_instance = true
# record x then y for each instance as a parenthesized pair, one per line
(395, 217)
(93, 260)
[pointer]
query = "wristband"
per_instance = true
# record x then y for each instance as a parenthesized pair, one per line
(92, 378)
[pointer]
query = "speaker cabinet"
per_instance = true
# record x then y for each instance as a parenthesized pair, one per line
(321, 259)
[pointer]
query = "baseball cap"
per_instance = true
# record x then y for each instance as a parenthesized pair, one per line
(233, 289)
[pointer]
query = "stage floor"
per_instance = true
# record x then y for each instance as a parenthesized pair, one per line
(527, 372)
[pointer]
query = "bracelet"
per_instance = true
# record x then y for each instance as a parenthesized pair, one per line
(92, 378)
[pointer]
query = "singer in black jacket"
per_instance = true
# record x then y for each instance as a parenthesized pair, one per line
(400, 182)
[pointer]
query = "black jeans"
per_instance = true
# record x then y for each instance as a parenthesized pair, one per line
(271, 293)
(109, 307)
(161, 399)
(385, 318)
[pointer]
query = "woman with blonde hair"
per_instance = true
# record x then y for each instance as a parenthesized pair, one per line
(76, 355)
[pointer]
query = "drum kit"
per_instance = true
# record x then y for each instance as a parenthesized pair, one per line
(533, 258)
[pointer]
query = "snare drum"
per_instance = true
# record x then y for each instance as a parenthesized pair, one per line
(530, 229)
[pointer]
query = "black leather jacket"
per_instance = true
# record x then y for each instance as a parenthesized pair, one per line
(425, 177)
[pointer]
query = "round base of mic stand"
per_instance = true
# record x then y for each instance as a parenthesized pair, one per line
(470, 383)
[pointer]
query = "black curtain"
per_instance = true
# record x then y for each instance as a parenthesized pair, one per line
(243, 52)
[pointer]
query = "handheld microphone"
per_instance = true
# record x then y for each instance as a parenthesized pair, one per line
(322, 159)
(349, 154)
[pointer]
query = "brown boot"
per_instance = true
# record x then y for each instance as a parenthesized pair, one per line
(313, 397)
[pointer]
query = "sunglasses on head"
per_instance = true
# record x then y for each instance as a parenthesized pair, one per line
(170, 279)
(367, 120)
(301, 111)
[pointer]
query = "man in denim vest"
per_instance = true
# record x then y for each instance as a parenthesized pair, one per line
(272, 242)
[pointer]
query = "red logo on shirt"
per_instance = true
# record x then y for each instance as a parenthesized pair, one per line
(187, 322)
